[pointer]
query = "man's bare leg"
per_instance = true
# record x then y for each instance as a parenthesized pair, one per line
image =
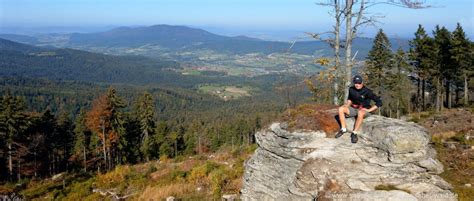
(343, 111)
(360, 118)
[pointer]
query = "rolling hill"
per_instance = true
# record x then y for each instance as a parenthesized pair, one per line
(18, 59)
(181, 38)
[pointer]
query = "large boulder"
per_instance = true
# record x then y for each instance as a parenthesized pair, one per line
(393, 160)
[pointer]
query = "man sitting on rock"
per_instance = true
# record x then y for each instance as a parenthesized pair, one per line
(357, 105)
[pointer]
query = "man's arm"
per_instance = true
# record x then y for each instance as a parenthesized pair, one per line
(378, 102)
(348, 103)
(372, 108)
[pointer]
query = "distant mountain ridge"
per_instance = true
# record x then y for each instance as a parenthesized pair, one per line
(182, 38)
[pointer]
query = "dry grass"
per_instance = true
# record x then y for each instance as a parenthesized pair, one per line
(188, 165)
(451, 126)
(458, 170)
(215, 174)
(312, 117)
(162, 192)
(113, 178)
(389, 187)
(160, 173)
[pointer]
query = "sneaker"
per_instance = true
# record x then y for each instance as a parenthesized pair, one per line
(354, 138)
(339, 134)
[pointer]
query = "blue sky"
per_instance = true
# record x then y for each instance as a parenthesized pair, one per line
(230, 16)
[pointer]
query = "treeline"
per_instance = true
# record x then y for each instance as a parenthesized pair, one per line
(435, 73)
(111, 131)
(439, 66)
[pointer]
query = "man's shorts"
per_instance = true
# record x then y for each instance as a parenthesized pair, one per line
(353, 112)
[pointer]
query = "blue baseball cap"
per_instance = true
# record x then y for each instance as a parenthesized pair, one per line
(357, 79)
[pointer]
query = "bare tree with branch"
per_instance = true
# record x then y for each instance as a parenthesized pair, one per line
(356, 15)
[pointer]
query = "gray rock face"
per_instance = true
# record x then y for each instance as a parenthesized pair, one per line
(391, 161)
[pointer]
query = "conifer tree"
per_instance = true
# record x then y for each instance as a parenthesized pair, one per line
(65, 135)
(422, 60)
(12, 122)
(48, 127)
(146, 117)
(462, 54)
(399, 84)
(106, 120)
(82, 138)
(378, 64)
(442, 40)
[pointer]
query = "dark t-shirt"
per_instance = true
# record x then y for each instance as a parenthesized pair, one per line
(363, 96)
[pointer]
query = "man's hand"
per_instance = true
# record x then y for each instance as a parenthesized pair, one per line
(371, 109)
(348, 103)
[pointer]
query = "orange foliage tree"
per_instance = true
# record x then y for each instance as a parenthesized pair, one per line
(105, 120)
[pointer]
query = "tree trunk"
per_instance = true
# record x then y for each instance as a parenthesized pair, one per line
(418, 94)
(337, 60)
(175, 148)
(145, 140)
(457, 96)
(398, 109)
(448, 94)
(441, 98)
(199, 144)
(466, 90)
(348, 47)
(85, 157)
(10, 161)
(19, 169)
(423, 106)
(36, 166)
(438, 94)
(104, 149)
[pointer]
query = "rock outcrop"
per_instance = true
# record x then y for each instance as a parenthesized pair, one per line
(393, 160)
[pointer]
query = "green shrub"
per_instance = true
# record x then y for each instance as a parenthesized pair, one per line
(218, 179)
(202, 171)
(79, 190)
(40, 190)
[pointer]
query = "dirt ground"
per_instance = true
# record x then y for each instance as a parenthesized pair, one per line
(449, 122)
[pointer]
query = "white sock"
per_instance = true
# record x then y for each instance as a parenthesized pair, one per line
(355, 132)
(343, 129)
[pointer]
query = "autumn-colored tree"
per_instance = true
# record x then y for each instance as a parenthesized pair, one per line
(105, 119)
(98, 121)
(320, 84)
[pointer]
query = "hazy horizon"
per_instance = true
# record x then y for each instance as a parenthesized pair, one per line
(265, 19)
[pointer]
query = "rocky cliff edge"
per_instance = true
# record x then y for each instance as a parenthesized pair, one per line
(393, 160)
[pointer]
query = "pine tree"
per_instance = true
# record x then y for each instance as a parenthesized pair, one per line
(162, 141)
(378, 64)
(117, 137)
(399, 84)
(82, 138)
(65, 138)
(12, 122)
(420, 49)
(48, 127)
(146, 117)
(442, 39)
(462, 54)
(106, 120)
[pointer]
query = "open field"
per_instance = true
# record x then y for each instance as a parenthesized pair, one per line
(227, 92)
